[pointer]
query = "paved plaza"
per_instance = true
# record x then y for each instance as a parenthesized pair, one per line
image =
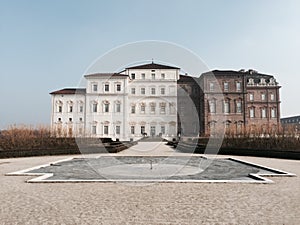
(148, 203)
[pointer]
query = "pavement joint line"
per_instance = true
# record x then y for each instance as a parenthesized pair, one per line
(25, 171)
(280, 172)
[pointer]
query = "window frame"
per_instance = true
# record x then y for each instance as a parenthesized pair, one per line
(251, 97)
(153, 91)
(118, 129)
(106, 108)
(95, 87)
(105, 129)
(252, 112)
(106, 87)
(132, 129)
(133, 91)
(211, 86)
(94, 107)
(238, 86)
(133, 109)
(118, 88)
(226, 86)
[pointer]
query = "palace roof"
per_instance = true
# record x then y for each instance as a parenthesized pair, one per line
(152, 66)
(70, 91)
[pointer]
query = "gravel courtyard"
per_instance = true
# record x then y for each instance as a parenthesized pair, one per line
(158, 203)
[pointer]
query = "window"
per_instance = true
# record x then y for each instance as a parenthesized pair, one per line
(227, 125)
(273, 113)
(133, 76)
(59, 119)
(263, 97)
(211, 86)
(94, 106)
(118, 129)
(162, 109)
(95, 87)
(143, 91)
(251, 112)
(272, 97)
(80, 119)
(132, 128)
(226, 86)
(263, 113)
(143, 76)
(153, 91)
(238, 86)
(162, 129)
(153, 76)
(133, 109)
(106, 107)
(238, 107)
(162, 91)
(212, 106)
(59, 108)
(81, 108)
(118, 87)
(251, 97)
(118, 107)
(143, 108)
(142, 129)
(70, 119)
(105, 130)
(106, 87)
(226, 106)
(94, 129)
(163, 76)
(70, 108)
(152, 108)
(133, 91)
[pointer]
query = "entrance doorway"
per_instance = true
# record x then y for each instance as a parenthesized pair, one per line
(152, 131)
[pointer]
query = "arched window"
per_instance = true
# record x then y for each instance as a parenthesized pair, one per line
(212, 105)
(252, 112)
(94, 106)
(59, 106)
(106, 106)
(226, 106)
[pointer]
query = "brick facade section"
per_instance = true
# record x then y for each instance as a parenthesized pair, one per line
(230, 92)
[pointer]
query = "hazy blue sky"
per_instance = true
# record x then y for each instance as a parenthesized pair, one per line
(47, 45)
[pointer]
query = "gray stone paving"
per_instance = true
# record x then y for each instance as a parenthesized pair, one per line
(150, 168)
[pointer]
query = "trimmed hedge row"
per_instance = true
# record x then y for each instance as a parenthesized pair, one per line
(260, 147)
(109, 147)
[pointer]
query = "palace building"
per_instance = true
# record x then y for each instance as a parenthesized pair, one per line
(239, 101)
(141, 100)
(156, 100)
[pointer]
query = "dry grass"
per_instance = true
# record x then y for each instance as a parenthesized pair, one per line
(29, 137)
(40, 137)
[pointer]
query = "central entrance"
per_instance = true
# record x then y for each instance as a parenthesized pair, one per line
(152, 131)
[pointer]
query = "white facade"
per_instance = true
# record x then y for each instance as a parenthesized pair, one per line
(124, 106)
